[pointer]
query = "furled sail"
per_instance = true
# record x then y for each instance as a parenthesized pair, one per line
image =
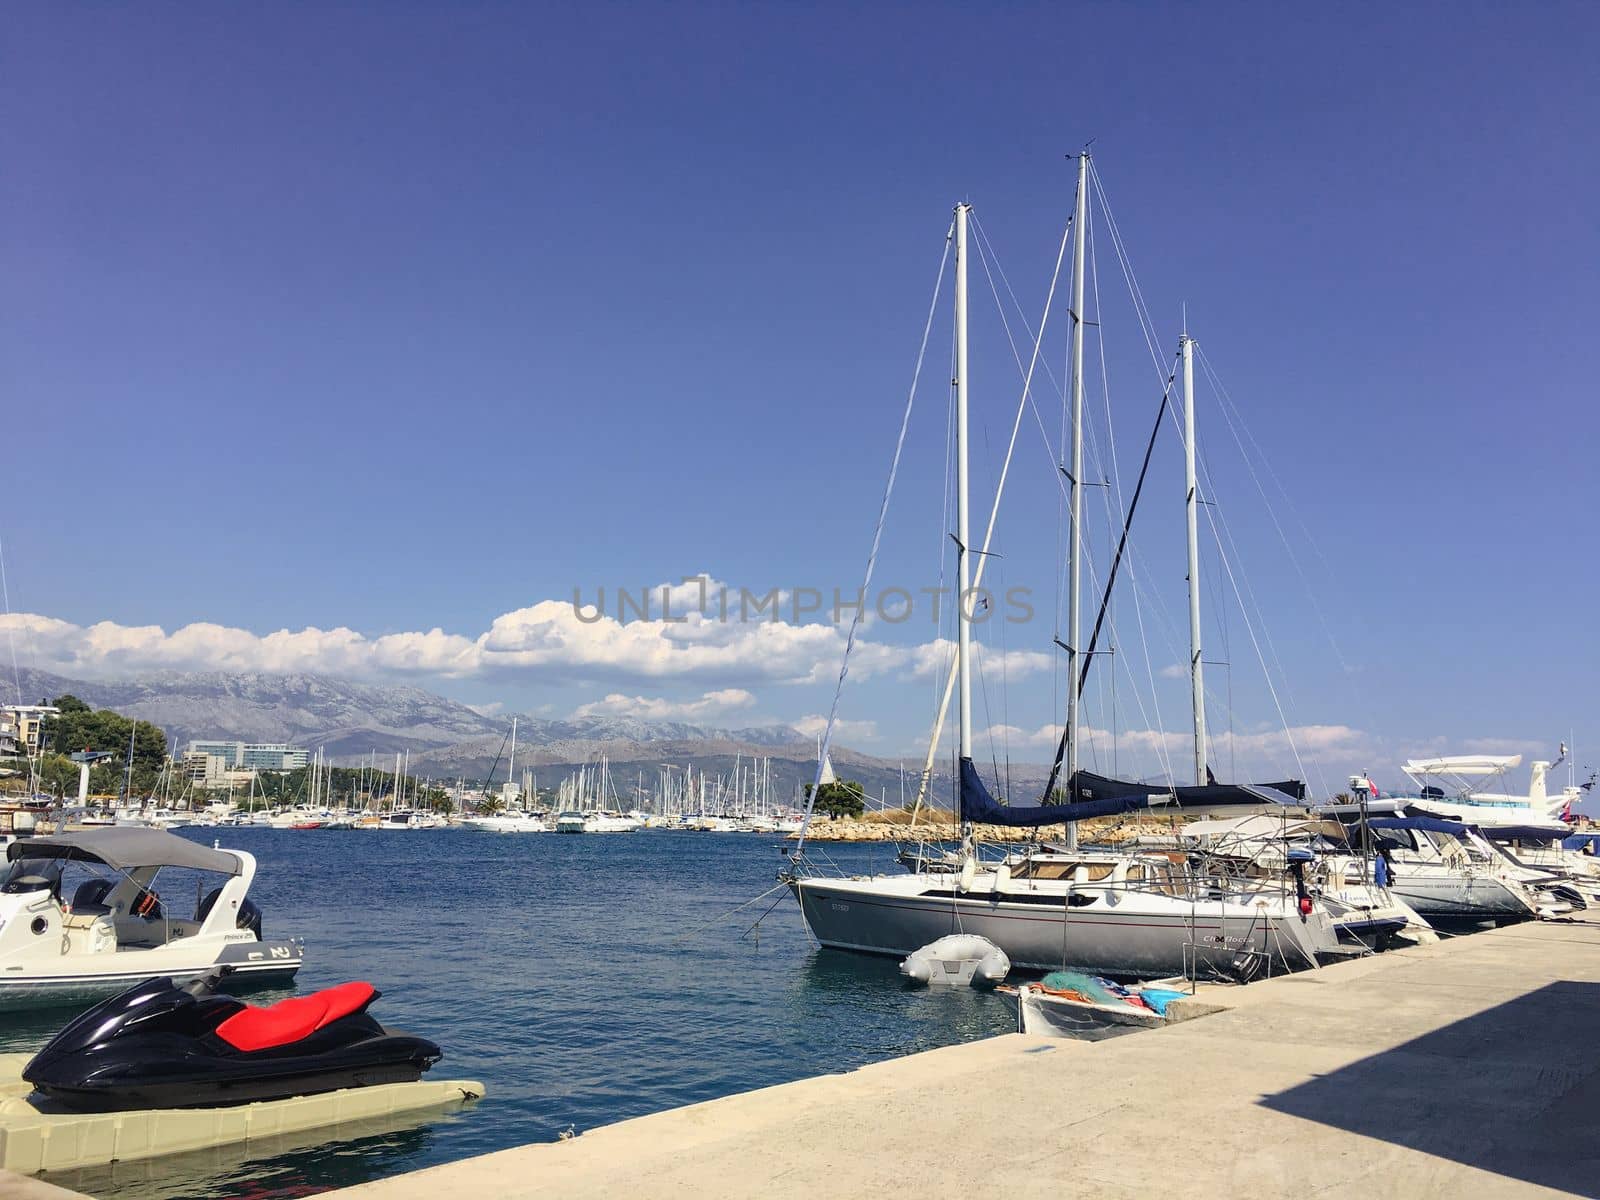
(1098, 796)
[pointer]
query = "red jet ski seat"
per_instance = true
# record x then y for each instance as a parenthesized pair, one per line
(288, 1021)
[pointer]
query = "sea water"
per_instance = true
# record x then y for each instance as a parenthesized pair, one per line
(582, 979)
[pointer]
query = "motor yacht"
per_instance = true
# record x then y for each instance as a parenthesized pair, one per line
(1452, 788)
(116, 929)
(1450, 872)
(596, 820)
(513, 820)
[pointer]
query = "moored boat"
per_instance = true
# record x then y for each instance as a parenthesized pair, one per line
(114, 928)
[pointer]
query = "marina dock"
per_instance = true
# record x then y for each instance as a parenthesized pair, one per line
(1467, 1068)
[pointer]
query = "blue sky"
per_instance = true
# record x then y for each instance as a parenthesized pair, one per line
(402, 318)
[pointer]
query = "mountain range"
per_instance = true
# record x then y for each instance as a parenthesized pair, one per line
(447, 739)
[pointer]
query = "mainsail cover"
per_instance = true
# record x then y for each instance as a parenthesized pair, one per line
(1099, 796)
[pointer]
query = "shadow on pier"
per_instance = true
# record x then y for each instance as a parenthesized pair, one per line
(1514, 1090)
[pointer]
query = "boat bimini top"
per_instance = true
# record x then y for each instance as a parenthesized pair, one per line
(126, 849)
(138, 855)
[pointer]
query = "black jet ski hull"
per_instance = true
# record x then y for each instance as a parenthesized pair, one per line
(160, 1046)
(224, 1089)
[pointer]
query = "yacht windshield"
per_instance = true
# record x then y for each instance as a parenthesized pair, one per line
(32, 875)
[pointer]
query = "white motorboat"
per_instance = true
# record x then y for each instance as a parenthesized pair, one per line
(1449, 788)
(116, 929)
(513, 820)
(1451, 872)
(597, 820)
(407, 819)
(1543, 848)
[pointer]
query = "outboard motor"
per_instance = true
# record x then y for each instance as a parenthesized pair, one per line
(250, 918)
(1298, 858)
(249, 914)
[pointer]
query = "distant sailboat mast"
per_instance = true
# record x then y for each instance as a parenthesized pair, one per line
(511, 766)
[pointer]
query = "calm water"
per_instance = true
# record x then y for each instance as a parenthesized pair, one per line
(582, 979)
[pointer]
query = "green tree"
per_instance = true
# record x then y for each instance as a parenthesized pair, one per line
(842, 798)
(78, 727)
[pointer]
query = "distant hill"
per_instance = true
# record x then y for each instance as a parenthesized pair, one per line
(448, 739)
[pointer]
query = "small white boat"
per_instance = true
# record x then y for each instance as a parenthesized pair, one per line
(117, 930)
(958, 960)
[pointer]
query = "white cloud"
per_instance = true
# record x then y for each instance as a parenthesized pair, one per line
(1174, 671)
(656, 708)
(933, 659)
(813, 724)
(667, 633)
(1013, 735)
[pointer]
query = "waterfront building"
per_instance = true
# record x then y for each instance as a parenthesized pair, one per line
(250, 756)
(22, 728)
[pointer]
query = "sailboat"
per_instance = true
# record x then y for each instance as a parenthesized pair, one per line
(1107, 913)
(513, 818)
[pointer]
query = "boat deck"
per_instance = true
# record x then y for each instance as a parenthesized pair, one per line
(1466, 1068)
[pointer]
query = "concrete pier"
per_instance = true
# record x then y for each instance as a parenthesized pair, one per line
(1466, 1069)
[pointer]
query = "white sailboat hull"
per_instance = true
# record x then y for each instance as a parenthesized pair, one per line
(1134, 934)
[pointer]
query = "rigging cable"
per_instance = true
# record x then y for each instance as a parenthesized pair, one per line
(994, 513)
(11, 623)
(877, 537)
(1105, 600)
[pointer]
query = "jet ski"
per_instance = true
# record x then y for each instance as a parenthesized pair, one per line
(158, 1045)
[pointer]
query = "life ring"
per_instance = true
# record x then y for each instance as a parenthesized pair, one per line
(147, 902)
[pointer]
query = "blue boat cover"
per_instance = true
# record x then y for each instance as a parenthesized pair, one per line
(1098, 796)
(1522, 833)
(1426, 824)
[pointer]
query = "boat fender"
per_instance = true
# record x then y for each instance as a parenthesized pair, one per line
(969, 872)
(1002, 876)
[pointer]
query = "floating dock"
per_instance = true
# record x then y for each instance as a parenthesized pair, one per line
(35, 1136)
(1466, 1068)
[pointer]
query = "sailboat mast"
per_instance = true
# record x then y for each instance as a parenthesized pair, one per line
(1192, 504)
(963, 563)
(511, 763)
(1080, 235)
